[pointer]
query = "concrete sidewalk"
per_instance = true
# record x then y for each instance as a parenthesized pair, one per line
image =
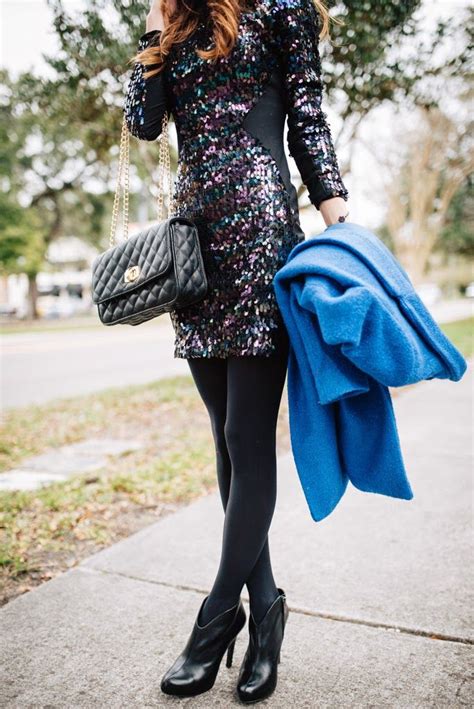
(380, 593)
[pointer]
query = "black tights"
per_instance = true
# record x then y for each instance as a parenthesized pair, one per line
(242, 395)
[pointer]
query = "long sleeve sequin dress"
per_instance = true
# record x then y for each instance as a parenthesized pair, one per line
(232, 177)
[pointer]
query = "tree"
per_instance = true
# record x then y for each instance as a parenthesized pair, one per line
(61, 148)
(429, 188)
(457, 236)
(22, 246)
(45, 169)
(439, 159)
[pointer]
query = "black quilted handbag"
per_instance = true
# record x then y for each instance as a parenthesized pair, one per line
(155, 271)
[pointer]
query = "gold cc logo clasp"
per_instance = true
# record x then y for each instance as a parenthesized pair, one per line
(131, 274)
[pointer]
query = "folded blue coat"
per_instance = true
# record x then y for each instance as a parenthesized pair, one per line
(356, 327)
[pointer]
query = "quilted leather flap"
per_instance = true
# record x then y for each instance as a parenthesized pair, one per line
(131, 263)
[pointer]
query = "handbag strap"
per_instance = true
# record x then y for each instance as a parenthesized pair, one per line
(164, 170)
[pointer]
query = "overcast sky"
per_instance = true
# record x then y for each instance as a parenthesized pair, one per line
(26, 32)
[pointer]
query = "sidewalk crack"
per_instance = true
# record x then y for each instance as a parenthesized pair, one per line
(429, 634)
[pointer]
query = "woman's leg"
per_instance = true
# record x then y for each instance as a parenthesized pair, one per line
(210, 376)
(254, 388)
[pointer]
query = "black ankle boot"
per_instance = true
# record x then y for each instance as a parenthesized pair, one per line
(195, 670)
(258, 673)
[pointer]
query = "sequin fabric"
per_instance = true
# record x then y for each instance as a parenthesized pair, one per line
(228, 181)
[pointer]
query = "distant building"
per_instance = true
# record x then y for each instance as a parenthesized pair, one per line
(64, 285)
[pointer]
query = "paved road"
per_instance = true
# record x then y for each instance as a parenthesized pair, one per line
(380, 593)
(40, 366)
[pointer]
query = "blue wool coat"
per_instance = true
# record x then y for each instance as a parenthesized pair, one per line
(356, 327)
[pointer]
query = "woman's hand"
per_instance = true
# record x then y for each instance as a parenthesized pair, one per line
(155, 19)
(332, 209)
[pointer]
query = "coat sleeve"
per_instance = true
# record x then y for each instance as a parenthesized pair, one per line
(309, 135)
(145, 101)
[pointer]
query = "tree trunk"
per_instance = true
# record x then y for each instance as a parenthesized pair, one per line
(32, 297)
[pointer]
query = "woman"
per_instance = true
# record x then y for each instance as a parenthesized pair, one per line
(230, 72)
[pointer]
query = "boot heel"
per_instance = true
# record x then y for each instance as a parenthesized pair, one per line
(230, 654)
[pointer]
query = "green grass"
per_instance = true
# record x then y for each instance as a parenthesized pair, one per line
(174, 464)
(44, 531)
(32, 429)
(461, 334)
(81, 508)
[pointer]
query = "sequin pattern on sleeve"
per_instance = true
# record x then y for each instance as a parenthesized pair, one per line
(145, 99)
(309, 136)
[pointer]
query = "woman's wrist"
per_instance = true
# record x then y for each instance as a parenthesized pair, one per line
(333, 208)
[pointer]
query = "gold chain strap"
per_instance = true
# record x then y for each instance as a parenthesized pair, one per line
(164, 171)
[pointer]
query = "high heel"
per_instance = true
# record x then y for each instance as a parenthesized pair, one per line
(196, 668)
(258, 673)
(230, 654)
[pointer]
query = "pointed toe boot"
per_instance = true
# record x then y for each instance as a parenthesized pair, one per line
(196, 668)
(258, 673)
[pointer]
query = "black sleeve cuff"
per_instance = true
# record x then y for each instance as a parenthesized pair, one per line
(318, 192)
(152, 37)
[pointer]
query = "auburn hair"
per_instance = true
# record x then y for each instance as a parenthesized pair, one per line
(224, 16)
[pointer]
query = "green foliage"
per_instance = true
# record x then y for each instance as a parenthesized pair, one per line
(458, 234)
(59, 136)
(22, 246)
(363, 61)
(460, 332)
